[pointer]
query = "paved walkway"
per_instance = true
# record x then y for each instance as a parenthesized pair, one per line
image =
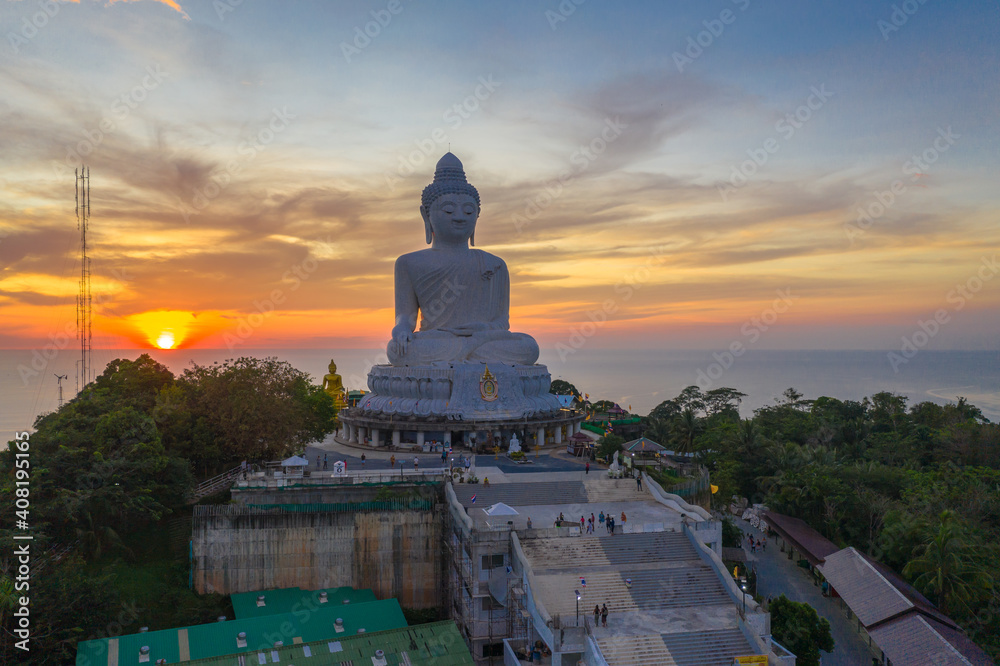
(548, 460)
(777, 575)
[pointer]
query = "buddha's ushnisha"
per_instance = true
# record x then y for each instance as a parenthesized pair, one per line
(462, 294)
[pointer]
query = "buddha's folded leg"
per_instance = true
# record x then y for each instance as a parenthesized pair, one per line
(513, 348)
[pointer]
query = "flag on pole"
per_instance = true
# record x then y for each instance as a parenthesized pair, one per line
(583, 582)
(473, 499)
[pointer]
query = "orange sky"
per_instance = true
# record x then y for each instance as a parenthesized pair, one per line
(252, 184)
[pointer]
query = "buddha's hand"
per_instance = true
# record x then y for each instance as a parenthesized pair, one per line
(401, 338)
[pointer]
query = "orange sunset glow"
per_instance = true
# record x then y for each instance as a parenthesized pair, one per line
(244, 200)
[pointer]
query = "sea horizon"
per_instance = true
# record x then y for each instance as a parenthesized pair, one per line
(637, 379)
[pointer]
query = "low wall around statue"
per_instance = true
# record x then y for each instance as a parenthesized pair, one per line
(389, 547)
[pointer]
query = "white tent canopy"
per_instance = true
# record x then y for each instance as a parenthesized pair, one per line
(295, 461)
(501, 509)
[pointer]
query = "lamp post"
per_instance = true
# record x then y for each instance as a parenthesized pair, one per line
(743, 586)
(577, 607)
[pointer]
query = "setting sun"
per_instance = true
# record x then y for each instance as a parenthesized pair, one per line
(166, 340)
(165, 329)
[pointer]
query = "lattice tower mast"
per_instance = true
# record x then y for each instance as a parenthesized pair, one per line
(84, 370)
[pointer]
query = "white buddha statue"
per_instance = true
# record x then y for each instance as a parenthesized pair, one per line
(462, 294)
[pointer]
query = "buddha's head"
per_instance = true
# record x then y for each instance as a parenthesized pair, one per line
(333, 368)
(450, 205)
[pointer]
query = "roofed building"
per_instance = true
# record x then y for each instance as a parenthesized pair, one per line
(245, 635)
(432, 644)
(896, 618)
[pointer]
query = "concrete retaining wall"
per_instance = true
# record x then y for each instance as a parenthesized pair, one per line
(395, 553)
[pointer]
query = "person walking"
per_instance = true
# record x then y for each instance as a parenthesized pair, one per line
(416, 464)
(597, 615)
(611, 526)
(600, 518)
(582, 523)
(604, 615)
(392, 460)
(623, 518)
(638, 480)
(317, 461)
(586, 470)
(362, 460)
(324, 461)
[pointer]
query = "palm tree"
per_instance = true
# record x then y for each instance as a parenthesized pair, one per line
(945, 566)
(687, 425)
(96, 539)
(747, 439)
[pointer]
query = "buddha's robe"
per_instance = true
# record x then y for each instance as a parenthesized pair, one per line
(464, 311)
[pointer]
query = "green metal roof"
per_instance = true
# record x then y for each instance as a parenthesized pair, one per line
(433, 644)
(217, 639)
(290, 599)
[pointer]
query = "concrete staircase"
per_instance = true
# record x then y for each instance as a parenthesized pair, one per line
(635, 651)
(658, 589)
(619, 550)
(696, 648)
(614, 490)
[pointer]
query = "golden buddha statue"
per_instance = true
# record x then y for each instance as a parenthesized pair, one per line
(333, 384)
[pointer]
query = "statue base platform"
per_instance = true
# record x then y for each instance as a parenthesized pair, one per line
(462, 391)
(430, 402)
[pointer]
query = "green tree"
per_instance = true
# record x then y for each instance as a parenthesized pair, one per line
(732, 536)
(798, 627)
(607, 445)
(723, 401)
(945, 566)
(256, 409)
(133, 383)
(687, 425)
(562, 387)
(602, 406)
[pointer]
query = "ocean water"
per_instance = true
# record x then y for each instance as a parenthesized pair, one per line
(635, 378)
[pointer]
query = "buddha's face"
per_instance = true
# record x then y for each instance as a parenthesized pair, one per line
(452, 218)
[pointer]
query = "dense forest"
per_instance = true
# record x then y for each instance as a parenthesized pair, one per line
(917, 487)
(112, 468)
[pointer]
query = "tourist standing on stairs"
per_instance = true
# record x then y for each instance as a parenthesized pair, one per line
(324, 461)
(586, 470)
(638, 480)
(604, 615)
(597, 615)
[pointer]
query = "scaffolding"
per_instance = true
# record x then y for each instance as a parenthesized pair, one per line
(480, 572)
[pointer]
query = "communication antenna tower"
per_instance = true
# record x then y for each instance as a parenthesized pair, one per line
(83, 304)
